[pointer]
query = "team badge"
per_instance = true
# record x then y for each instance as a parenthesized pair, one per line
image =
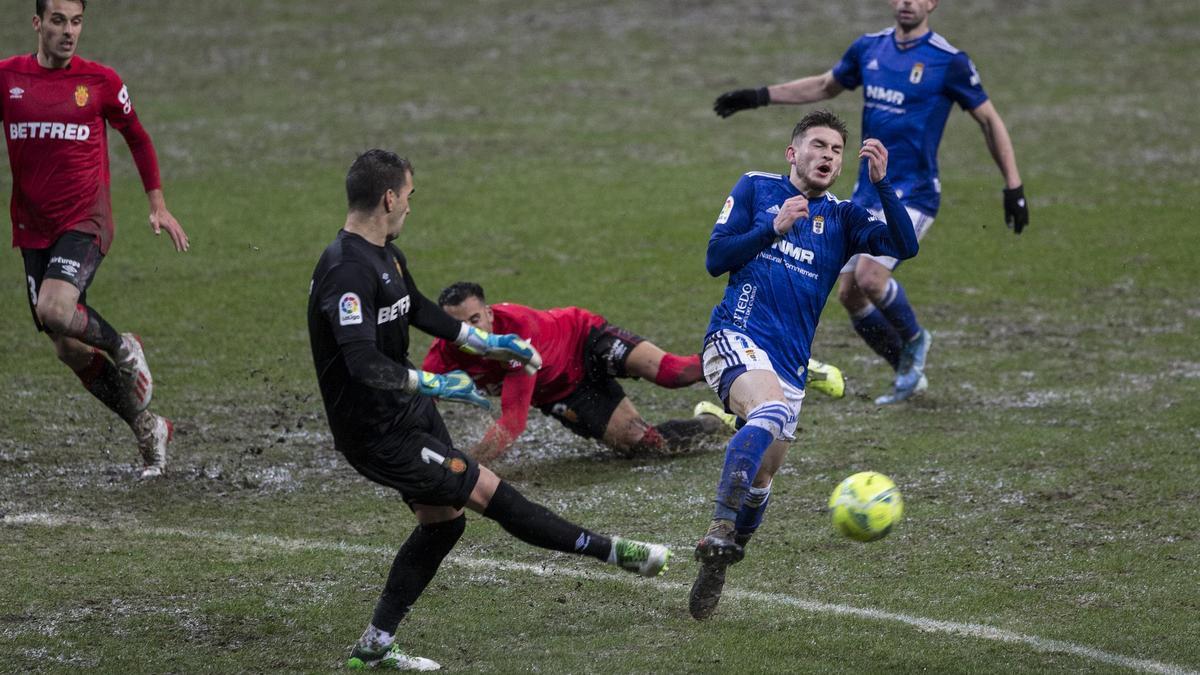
(724, 217)
(456, 465)
(82, 95)
(349, 310)
(916, 73)
(818, 224)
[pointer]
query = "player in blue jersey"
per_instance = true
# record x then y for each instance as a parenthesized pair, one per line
(911, 77)
(782, 240)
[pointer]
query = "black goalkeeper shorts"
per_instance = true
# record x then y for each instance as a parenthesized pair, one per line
(421, 464)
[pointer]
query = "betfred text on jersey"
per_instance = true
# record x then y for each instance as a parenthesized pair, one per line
(398, 309)
(51, 130)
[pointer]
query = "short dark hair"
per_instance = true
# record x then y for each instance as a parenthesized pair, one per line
(458, 292)
(39, 6)
(819, 118)
(371, 175)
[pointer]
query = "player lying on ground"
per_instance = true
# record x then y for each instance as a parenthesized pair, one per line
(361, 303)
(782, 239)
(583, 356)
(911, 78)
(54, 107)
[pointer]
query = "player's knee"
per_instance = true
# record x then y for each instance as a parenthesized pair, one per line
(851, 297)
(55, 317)
(773, 416)
(871, 283)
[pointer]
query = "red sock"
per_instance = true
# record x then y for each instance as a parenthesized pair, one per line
(652, 440)
(93, 370)
(678, 371)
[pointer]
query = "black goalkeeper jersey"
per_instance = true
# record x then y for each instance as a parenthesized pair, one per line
(362, 295)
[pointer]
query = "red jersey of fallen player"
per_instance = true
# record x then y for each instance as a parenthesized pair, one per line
(559, 336)
(54, 122)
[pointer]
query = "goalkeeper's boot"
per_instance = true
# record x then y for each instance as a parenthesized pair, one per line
(131, 363)
(826, 378)
(648, 560)
(710, 408)
(393, 658)
(153, 433)
(716, 552)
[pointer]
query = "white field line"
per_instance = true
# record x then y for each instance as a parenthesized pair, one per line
(973, 630)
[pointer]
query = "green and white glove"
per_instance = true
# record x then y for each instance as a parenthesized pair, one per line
(508, 347)
(455, 385)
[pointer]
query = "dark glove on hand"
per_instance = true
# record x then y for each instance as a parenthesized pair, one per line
(741, 99)
(1016, 212)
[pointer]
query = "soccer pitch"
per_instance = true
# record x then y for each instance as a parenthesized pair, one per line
(566, 154)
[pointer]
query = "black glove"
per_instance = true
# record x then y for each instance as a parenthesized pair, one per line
(1016, 212)
(741, 99)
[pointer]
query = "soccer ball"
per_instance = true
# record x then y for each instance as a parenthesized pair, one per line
(865, 506)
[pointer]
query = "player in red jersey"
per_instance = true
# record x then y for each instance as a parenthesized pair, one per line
(54, 107)
(582, 355)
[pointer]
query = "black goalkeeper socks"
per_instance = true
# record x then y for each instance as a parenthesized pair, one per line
(415, 564)
(536, 525)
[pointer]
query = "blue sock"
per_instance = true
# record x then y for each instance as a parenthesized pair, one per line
(751, 514)
(742, 459)
(744, 455)
(877, 332)
(899, 312)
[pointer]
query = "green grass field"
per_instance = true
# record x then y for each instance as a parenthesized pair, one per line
(566, 153)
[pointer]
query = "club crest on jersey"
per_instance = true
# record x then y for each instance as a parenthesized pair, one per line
(82, 95)
(16, 92)
(918, 71)
(818, 224)
(349, 310)
(724, 217)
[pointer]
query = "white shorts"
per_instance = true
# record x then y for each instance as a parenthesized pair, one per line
(728, 354)
(921, 223)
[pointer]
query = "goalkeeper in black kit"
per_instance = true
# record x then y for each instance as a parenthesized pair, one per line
(361, 303)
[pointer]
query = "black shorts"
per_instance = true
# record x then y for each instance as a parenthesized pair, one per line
(420, 463)
(73, 257)
(587, 410)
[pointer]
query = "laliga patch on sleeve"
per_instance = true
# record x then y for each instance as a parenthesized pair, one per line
(349, 310)
(724, 217)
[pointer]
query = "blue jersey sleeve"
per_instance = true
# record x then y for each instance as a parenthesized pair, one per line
(735, 238)
(962, 83)
(848, 71)
(896, 238)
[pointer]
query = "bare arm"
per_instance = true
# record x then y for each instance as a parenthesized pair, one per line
(806, 89)
(995, 134)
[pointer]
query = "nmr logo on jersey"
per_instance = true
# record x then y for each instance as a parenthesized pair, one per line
(349, 310)
(398, 309)
(16, 93)
(884, 94)
(51, 130)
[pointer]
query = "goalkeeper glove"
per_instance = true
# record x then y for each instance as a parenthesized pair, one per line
(1016, 213)
(455, 385)
(741, 99)
(507, 347)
